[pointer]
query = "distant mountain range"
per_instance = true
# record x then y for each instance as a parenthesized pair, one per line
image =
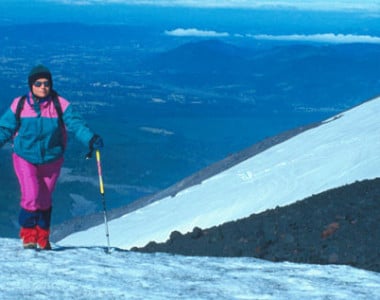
(278, 76)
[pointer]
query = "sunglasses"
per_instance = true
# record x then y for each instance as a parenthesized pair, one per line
(40, 83)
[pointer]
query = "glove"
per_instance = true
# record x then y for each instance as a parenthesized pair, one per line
(96, 143)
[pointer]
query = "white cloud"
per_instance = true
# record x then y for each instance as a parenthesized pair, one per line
(316, 38)
(353, 5)
(322, 38)
(195, 32)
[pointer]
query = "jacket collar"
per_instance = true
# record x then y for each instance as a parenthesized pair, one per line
(33, 100)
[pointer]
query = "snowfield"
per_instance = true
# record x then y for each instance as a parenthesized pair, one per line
(344, 149)
(90, 273)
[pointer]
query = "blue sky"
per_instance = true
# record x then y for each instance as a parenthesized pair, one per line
(371, 5)
(332, 25)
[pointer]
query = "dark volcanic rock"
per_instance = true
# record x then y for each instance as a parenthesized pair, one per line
(339, 226)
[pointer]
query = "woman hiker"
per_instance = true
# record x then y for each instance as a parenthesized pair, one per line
(37, 124)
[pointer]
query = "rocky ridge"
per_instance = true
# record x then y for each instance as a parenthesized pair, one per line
(339, 226)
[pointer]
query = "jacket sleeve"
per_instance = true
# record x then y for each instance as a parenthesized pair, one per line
(75, 124)
(8, 126)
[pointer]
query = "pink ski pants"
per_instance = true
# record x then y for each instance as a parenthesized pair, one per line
(37, 182)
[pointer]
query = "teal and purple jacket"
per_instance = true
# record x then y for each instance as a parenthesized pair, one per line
(40, 138)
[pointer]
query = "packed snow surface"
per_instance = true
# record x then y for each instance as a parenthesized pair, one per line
(90, 273)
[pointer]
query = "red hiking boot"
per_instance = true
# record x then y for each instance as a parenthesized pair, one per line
(43, 238)
(29, 237)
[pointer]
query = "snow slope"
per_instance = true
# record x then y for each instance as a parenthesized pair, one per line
(89, 273)
(344, 149)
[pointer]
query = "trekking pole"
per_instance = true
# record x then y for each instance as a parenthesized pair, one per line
(101, 185)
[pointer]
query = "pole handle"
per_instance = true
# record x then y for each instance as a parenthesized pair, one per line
(101, 185)
(89, 154)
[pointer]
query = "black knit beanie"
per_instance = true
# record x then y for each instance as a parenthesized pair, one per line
(38, 72)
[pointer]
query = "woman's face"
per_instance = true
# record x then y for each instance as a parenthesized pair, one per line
(41, 88)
